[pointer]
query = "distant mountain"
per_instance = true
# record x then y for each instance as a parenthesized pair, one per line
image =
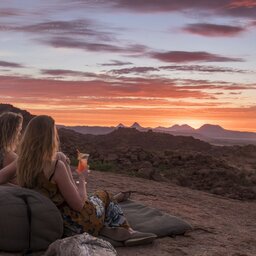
(95, 130)
(213, 134)
(120, 126)
(216, 131)
(136, 126)
(182, 128)
(177, 128)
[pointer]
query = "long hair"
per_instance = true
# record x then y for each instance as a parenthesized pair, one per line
(38, 148)
(9, 130)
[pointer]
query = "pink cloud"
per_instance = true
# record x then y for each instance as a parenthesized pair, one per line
(129, 87)
(67, 42)
(116, 63)
(11, 86)
(243, 3)
(65, 72)
(10, 64)
(6, 12)
(200, 68)
(182, 56)
(82, 27)
(213, 30)
(136, 70)
(246, 8)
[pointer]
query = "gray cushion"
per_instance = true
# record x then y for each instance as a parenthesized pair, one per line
(46, 220)
(146, 219)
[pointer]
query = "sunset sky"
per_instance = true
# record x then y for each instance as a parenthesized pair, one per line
(105, 62)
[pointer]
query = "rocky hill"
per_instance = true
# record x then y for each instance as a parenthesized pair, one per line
(185, 161)
(181, 160)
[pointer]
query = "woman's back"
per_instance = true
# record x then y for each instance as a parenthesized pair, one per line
(47, 187)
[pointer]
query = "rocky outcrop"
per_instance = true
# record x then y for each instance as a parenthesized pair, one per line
(185, 161)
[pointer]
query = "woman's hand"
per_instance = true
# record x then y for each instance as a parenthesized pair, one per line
(84, 174)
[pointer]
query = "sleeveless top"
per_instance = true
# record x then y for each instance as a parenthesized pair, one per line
(49, 189)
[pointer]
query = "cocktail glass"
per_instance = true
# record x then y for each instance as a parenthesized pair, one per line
(82, 161)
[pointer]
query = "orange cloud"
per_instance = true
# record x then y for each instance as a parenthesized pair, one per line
(152, 102)
(231, 118)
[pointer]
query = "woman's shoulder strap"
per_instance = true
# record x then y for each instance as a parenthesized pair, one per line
(55, 166)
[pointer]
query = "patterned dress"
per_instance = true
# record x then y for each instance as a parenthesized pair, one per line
(99, 210)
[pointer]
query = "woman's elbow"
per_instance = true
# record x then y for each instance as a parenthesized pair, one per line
(77, 206)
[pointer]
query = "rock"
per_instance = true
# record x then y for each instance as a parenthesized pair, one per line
(145, 173)
(134, 158)
(146, 165)
(157, 176)
(142, 156)
(111, 157)
(124, 162)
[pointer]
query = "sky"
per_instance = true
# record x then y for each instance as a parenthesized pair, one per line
(105, 62)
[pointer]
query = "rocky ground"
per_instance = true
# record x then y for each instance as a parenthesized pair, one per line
(184, 161)
(222, 226)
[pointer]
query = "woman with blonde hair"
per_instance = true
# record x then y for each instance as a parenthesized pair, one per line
(10, 129)
(38, 168)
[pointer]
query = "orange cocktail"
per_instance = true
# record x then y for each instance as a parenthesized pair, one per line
(82, 161)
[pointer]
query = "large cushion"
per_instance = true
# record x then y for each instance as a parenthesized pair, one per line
(46, 220)
(147, 219)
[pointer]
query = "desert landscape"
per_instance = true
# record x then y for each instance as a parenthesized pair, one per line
(156, 96)
(211, 187)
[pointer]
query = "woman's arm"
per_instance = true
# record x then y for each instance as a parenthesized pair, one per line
(8, 172)
(9, 158)
(74, 196)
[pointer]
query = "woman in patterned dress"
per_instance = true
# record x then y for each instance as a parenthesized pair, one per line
(39, 167)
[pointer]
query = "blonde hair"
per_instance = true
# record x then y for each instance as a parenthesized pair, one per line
(9, 133)
(37, 149)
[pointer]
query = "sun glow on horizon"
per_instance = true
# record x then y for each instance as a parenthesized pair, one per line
(99, 63)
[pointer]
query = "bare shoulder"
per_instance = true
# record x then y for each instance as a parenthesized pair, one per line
(53, 169)
(61, 156)
(60, 170)
(60, 166)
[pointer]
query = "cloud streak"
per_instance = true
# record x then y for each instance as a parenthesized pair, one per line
(184, 56)
(78, 27)
(246, 8)
(133, 70)
(6, 12)
(67, 42)
(116, 63)
(204, 69)
(213, 30)
(10, 64)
